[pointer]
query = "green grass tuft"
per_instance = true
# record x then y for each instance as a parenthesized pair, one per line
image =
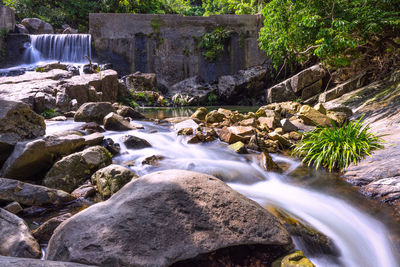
(337, 147)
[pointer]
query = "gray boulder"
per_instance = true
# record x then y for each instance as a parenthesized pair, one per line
(93, 112)
(37, 26)
(71, 171)
(115, 122)
(280, 93)
(167, 217)
(30, 194)
(141, 81)
(191, 91)
(307, 77)
(135, 142)
(125, 111)
(110, 179)
(15, 237)
(23, 262)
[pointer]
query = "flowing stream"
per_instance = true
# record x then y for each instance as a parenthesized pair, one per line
(362, 240)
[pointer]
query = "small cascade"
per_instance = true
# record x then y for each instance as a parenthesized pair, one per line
(72, 48)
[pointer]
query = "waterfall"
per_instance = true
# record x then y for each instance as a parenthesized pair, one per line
(70, 48)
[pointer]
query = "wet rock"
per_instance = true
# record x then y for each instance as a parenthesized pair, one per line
(84, 191)
(214, 116)
(70, 30)
(188, 213)
(185, 131)
(18, 122)
(31, 159)
(44, 232)
(134, 142)
(93, 112)
(13, 207)
(287, 126)
(152, 160)
(115, 122)
(37, 26)
(267, 163)
(141, 81)
(58, 118)
(71, 171)
(22, 262)
(90, 127)
(285, 143)
(200, 114)
(125, 111)
(312, 117)
(111, 179)
(21, 29)
(242, 130)
(15, 237)
(227, 136)
(387, 188)
(94, 139)
(190, 123)
(295, 259)
(109, 144)
(238, 147)
(192, 91)
(30, 194)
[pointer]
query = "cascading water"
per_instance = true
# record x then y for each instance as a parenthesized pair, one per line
(362, 241)
(71, 48)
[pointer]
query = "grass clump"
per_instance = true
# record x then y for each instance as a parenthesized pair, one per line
(50, 113)
(337, 147)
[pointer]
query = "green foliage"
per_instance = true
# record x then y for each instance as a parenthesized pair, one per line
(39, 69)
(233, 6)
(50, 113)
(337, 147)
(213, 43)
(212, 99)
(156, 24)
(331, 30)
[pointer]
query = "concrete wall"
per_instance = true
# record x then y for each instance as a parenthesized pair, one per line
(168, 44)
(7, 22)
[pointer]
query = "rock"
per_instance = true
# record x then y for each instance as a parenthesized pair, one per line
(320, 108)
(249, 82)
(295, 259)
(386, 188)
(109, 144)
(227, 136)
(31, 159)
(312, 117)
(22, 262)
(134, 142)
(13, 207)
(295, 136)
(311, 90)
(30, 194)
(6, 147)
(44, 232)
(238, 147)
(281, 139)
(270, 122)
(37, 26)
(307, 77)
(185, 131)
(89, 128)
(58, 118)
(84, 191)
(71, 171)
(226, 112)
(111, 179)
(241, 130)
(287, 126)
(70, 30)
(18, 122)
(125, 111)
(115, 122)
(344, 109)
(190, 123)
(188, 213)
(93, 112)
(267, 163)
(141, 81)
(214, 116)
(21, 29)
(152, 160)
(200, 114)
(339, 117)
(343, 88)
(249, 122)
(15, 237)
(280, 93)
(94, 139)
(192, 91)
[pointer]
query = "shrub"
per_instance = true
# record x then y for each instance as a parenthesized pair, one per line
(337, 147)
(213, 43)
(50, 113)
(212, 99)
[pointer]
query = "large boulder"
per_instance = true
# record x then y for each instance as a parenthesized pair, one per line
(44, 232)
(164, 218)
(30, 194)
(281, 92)
(134, 142)
(15, 237)
(71, 171)
(200, 114)
(31, 159)
(141, 81)
(93, 112)
(214, 116)
(192, 91)
(37, 26)
(125, 111)
(18, 122)
(110, 179)
(115, 122)
(312, 117)
(307, 77)
(23, 262)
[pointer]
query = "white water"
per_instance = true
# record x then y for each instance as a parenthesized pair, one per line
(362, 240)
(67, 48)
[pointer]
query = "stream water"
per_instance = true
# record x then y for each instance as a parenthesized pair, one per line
(350, 221)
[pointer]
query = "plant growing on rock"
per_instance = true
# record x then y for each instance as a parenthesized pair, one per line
(50, 113)
(337, 147)
(213, 43)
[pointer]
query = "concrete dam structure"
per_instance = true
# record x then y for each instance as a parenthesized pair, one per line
(168, 45)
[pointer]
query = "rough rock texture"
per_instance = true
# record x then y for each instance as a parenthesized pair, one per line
(93, 112)
(115, 122)
(7, 18)
(44, 232)
(71, 171)
(163, 218)
(307, 77)
(190, 123)
(37, 26)
(267, 162)
(214, 116)
(312, 117)
(22, 262)
(200, 114)
(125, 111)
(141, 81)
(280, 93)
(30, 194)
(111, 179)
(134, 142)
(18, 122)
(238, 147)
(193, 91)
(15, 237)
(31, 159)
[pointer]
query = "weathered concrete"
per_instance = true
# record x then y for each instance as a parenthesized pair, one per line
(168, 44)
(7, 18)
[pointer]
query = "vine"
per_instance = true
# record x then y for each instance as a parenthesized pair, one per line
(213, 43)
